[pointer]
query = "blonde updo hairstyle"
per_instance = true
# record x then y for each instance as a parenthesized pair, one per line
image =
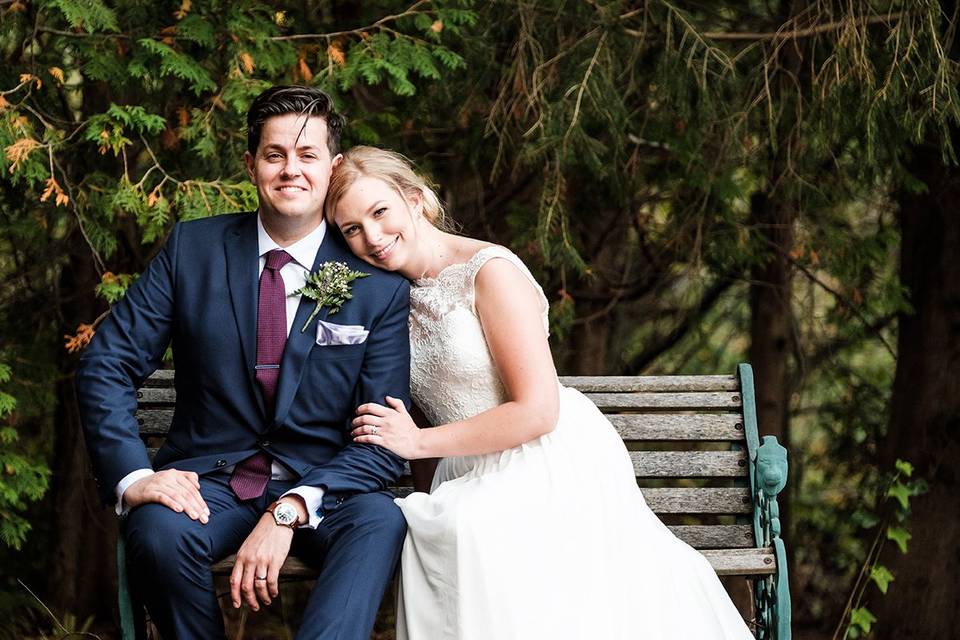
(393, 169)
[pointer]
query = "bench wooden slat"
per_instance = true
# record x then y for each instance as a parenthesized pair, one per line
(698, 500)
(687, 401)
(676, 427)
(739, 562)
(157, 396)
(664, 427)
(625, 384)
(689, 464)
(726, 562)
(154, 422)
(718, 536)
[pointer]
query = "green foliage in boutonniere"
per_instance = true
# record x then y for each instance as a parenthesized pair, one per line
(329, 286)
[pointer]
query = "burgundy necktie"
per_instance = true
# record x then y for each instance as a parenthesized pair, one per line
(250, 477)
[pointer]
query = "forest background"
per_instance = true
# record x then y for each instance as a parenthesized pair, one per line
(695, 184)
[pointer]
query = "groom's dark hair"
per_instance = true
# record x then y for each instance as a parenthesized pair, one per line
(298, 99)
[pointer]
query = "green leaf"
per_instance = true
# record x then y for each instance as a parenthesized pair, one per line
(174, 63)
(5, 372)
(882, 577)
(901, 492)
(862, 619)
(864, 519)
(899, 535)
(89, 15)
(904, 467)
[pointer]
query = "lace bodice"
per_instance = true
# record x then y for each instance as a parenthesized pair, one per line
(452, 375)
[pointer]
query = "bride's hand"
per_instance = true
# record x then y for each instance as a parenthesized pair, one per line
(390, 427)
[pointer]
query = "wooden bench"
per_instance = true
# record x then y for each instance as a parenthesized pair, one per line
(698, 458)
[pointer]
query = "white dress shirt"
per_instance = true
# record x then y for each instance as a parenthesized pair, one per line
(294, 274)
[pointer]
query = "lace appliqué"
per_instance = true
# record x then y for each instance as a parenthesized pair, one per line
(452, 375)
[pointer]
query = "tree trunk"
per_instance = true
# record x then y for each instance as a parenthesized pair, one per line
(83, 577)
(925, 408)
(771, 316)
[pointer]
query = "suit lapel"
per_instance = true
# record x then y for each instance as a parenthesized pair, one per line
(241, 250)
(299, 343)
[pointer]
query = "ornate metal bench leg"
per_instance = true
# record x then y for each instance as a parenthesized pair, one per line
(773, 593)
(131, 613)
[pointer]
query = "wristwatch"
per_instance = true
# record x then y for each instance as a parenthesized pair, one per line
(284, 514)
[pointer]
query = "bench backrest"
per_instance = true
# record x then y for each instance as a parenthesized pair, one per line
(687, 435)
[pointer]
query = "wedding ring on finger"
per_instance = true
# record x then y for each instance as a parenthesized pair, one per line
(260, 578)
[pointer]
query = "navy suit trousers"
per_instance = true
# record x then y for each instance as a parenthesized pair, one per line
(355, 549)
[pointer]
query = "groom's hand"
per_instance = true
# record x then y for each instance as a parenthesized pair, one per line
(260, 556)
(178, 490)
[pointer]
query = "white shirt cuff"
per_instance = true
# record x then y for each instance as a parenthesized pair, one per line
(313, 497)
(124, 484)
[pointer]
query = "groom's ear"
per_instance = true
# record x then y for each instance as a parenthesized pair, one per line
(248, 160)
(337, 159)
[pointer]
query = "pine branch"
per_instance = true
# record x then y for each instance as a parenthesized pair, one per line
(379, 25)
(793, 34)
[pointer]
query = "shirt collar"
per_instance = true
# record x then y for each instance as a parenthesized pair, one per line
(303, 251)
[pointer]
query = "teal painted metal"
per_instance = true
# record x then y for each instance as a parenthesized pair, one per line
(768, 476)
(128, 627)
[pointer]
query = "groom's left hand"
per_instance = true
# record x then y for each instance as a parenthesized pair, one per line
(261, 554)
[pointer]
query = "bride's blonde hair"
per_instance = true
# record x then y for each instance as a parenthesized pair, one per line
(392, 168)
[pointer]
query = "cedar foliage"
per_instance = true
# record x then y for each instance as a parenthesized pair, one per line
(619, 147)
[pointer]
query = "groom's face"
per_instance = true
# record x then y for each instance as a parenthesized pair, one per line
(291, 170)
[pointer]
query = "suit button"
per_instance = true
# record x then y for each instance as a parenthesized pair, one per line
(265, 444)
(221, 462)
(339, 501)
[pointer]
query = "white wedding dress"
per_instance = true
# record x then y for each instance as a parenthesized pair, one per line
(549, 540)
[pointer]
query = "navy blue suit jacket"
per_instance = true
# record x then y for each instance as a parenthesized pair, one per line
(200, 293)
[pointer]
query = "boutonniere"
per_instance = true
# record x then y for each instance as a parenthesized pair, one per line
(329, 286)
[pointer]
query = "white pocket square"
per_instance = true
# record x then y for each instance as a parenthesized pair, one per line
(329, 333)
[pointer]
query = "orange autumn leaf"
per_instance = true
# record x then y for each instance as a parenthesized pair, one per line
(155, 196)
(81, 339)
(169, 139)
(183, 116)
(797, 252)
(57, 74)
(304, 70)
(108, 277)
(437, 26)
(19, 122)
(54, 188)
(335, 53)
(184, 9)
(4, 105)
(247, 61)
(19, 150)
(814, 258)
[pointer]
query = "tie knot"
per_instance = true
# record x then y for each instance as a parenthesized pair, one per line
(277, 259)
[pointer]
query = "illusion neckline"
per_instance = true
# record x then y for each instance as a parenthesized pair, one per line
(428, 281)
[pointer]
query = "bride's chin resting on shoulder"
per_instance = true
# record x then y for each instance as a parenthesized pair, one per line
(511, 316)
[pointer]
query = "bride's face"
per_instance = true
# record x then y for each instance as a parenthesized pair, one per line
(380, 225)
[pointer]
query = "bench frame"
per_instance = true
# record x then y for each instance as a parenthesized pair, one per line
(765, 561)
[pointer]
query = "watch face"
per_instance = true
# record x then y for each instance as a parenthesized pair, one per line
(285, 514)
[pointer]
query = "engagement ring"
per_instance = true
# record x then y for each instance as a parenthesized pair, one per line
(375, 430)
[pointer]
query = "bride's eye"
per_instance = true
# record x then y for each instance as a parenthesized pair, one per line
(349, 231)
(379, 212)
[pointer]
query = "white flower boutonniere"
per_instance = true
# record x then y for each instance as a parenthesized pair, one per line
(329, 286)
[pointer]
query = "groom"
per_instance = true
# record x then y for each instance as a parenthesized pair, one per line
(258, 459)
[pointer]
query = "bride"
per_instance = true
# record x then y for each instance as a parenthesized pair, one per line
(531, 526)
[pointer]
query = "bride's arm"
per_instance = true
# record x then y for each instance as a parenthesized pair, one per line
(510, 313)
